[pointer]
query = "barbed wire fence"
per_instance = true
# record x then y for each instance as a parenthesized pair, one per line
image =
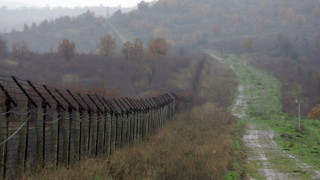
(41, 125)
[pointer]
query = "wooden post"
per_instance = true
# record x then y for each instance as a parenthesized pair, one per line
(97, 133)
(121, 130)
(59, 135)
(70, 134)
(111, 145)
(89, 134)
(80, 134)
(44, 116)
(22, 142)
(116, 132)
(4, 122)
(105, 132)
(39, 132)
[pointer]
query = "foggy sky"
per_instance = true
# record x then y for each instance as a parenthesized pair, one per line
(69, 3)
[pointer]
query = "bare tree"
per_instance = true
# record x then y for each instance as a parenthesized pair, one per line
(3, 46)
(20, 50)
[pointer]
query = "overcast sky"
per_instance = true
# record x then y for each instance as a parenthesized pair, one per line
(69, 3)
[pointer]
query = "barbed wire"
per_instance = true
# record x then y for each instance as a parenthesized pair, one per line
(14, 112)
(16, 132)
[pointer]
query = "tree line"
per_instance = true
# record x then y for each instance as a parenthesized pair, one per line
(157, 48)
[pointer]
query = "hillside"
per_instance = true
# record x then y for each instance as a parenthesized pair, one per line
(188, 23)
(19, 18)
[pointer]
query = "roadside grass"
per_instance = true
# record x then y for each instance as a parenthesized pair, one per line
(261, 86)
(252, 170)
(239, 153)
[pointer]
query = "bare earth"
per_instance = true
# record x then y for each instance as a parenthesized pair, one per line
(263, 151)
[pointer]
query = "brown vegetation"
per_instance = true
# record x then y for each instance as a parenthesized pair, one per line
(107, 45)
(158, 48)
(193, 146)
(67, 49)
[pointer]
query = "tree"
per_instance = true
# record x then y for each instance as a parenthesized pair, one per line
(300, 20)
(143, 6)
(247, 43)
(3, 46)
(284, 45)
(20, 49)
(107, 45)
(138, 48)
(126, 49)
(319, 41)
(67, 49)
(315, 112)
(133, 51)
(158, 48)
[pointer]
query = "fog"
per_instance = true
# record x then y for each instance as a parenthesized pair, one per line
(70, 3)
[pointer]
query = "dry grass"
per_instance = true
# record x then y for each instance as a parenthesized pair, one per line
(196, 145)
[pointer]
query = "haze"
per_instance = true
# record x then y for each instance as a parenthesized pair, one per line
(70, 3)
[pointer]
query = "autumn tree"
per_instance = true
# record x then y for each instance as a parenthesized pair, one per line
(158, 48)
(300, 20)
(319, 41)
(315, 112)
(20, 50)
(67, 49)
(107, 45)
(247, 43)
(3, 46)
(126, 49)
(133, 51)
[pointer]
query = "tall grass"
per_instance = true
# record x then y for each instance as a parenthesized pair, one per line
(195, 145)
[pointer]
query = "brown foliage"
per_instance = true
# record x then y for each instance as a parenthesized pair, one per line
(315, 112)
(20, 49)
(194, 145)
(67, 49)
(247, 43)
(133, 51)
(158, 48)
(107, 45)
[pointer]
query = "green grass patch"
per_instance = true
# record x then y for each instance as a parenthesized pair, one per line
(239, 153)
(265, 90)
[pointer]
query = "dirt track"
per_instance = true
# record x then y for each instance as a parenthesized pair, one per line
(263, 151)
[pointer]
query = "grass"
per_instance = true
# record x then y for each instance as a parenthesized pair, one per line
(192, 146)
(261, 86)
(197, 144)
(239, 153)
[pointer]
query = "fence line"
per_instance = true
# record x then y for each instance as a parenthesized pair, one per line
(41, 124)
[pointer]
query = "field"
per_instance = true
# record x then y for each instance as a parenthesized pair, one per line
(197, 144)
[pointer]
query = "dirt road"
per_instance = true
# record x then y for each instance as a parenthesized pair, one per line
(265, 157)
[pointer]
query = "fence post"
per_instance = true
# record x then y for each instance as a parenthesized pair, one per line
(111, 142)
(4, 126)
(59, 109)
(44, 115)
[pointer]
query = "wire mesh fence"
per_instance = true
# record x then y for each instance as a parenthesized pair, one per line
(42, 125)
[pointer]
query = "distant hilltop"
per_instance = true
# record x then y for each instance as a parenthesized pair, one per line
(15, 14)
